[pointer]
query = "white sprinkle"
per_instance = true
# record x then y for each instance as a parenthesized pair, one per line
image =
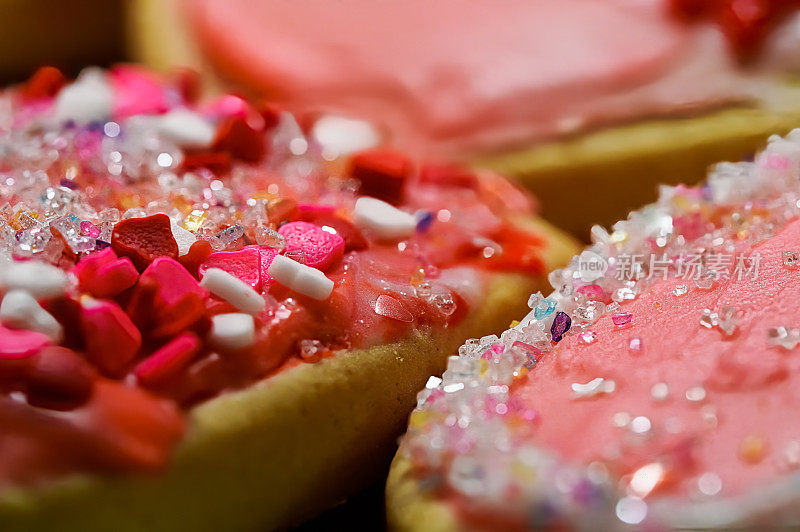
(680, 290)
(339, 135)
(233, 290)
(89, 99)
(640, 425)
(593, 387)
(184, 238)
(20, 310)
(709, 484)
(659, 391)
(382, 219)
(300, 278)
(233, 331)
(186, 128)
(696, 394)
(621, 419)
(631, 510)
(39, 279)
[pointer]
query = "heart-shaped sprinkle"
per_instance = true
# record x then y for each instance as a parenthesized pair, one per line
(244, 264)
(321, 248)
(144, 239)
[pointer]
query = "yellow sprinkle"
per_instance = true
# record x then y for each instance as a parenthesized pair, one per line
(753, 448)
(513, 324)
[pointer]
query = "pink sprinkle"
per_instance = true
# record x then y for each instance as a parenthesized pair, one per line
(244, 264)
(168, 360)
(112, 340)
(392, 308)
(320, 247)
(136, 91)
(172, 280)
(622, 318)
(266, 254)
(498, 348)
(16, 344)
(89, 229)
(591, 291)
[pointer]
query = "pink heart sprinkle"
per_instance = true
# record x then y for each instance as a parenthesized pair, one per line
(591, 291)
(16, 344)
(244, 264)
(320, 247)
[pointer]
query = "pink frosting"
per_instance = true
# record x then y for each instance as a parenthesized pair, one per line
(744, 377)
(464, 74)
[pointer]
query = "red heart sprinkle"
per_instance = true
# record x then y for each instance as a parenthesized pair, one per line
(144, 239)
(382, 174)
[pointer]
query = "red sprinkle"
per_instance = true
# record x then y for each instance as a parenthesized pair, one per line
(236, 137)
(168, 360)
(112, 340)
(320, 247)
(621, 318)
(59, 379)
(144, 239)
(382, 174)
(103, 275)
(46, 82)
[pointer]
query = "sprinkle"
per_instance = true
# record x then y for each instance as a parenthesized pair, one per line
(21, 311)
(752, 448)
(640, 425)
(696, 394)
(168, 359)
(320, 248)
(790, 258)
(621, 318)
(706, 281)
(311, 349)
(270, 237)
(339, 135)
(232, 331)
(233, 290)
(588, 337)
(631, 510)
(186, 128)
(561, 324)
(783, 337)
(112, 340)
(20, 344)
(709, 484)
(445, 303)
(382, 219)
(144, 239)
(183, 238)
(89, 99)
(544, 308)
(301, 278)
(593, 387)
(244, 264)
(621, 419)
(635, 345)
(680, 290)
(39, 279)
(659, 391)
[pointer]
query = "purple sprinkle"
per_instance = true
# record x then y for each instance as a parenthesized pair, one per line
(67, 183)
(424, 220)
(561, 324)
(101, 244)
